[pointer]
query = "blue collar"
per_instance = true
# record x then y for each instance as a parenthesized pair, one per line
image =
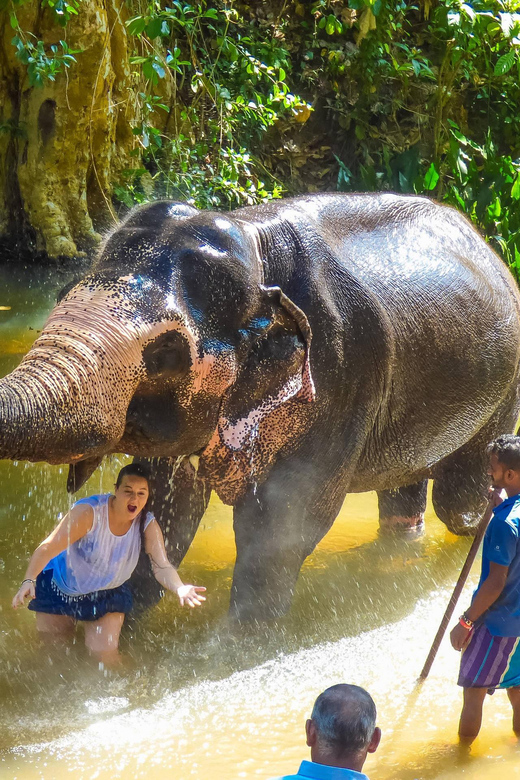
(312, 771)
(507, 503)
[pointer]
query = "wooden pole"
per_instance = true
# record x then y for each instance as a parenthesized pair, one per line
(481, 530)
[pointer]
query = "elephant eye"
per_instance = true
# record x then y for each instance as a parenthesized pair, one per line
(278, 345)
(168, 355)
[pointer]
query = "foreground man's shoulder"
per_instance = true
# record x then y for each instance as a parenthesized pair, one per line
(309, 770)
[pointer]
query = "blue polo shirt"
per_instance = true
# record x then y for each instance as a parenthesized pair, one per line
(501, 546)
(311, 771)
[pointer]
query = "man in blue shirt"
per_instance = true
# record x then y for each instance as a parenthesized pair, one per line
(340, 732)
(488, 632)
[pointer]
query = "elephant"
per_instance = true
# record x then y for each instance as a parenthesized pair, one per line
(282, 355)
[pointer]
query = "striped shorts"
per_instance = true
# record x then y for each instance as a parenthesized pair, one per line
(490, 661)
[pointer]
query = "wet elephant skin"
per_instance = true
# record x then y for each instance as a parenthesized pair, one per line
(282, 355)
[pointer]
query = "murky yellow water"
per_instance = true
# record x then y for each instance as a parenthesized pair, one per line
(197, 700)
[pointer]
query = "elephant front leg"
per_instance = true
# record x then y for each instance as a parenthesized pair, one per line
(402, 509)
(178, 502)
(275, 530)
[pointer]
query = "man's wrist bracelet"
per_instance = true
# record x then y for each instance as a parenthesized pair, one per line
(29, 580)
(466, 622)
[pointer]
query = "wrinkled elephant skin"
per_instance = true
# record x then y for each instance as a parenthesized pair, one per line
(282, 355)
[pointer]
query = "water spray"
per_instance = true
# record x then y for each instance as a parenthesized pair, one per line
(481, 530)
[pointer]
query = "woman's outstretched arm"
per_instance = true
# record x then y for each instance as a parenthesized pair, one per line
(72, 527)
(164, 572)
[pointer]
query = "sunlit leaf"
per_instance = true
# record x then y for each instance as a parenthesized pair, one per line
(504, 63)
(136, 25)
(495, 208)
(461, 166)
(431, 177)
(454, 130)
(367, 22)
(330, 24)
(493, 28)
(416, 67)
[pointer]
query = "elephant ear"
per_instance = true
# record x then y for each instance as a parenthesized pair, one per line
(276, 370)
(267, 405)
(307, 391)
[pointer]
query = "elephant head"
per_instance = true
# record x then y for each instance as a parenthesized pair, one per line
(172, 346)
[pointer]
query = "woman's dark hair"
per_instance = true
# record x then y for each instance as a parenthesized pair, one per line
(137, 470)
(133, 470)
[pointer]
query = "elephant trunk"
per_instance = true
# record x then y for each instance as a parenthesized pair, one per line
(68, 398)
(40, 418)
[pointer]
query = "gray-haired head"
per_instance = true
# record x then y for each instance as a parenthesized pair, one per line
(507, 450)
(344, 717)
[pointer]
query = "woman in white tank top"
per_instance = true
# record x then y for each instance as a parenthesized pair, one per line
(79, 572)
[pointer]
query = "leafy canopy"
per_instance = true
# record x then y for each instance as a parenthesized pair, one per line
(239, 102)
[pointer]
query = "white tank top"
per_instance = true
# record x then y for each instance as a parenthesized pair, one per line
(99, 560)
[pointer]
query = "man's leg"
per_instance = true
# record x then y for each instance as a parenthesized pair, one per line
(514, 698)
(471, 715)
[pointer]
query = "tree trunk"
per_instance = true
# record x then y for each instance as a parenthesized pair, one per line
(64, 143)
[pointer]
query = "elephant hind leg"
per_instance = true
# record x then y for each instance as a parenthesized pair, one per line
(459, 492)
(402, 509)
(460, 480)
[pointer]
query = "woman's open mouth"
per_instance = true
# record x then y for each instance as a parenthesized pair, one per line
(132, 508)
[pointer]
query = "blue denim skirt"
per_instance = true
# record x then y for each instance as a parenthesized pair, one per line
(51, 600)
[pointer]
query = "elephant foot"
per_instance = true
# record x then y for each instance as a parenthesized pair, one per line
(464, 524)
(261, 609)
(400, 524)
(401, 511)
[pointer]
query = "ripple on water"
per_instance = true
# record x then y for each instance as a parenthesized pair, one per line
(251, 723)
(246, 719)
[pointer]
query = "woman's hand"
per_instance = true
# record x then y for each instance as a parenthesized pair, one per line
(189, 595)
(25, 591)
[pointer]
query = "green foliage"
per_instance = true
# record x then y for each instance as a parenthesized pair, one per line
(486, 186)
(426, 98)
(228, 87)
(62, 9)
(13, 129)
(42, 64)
(240, 102)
